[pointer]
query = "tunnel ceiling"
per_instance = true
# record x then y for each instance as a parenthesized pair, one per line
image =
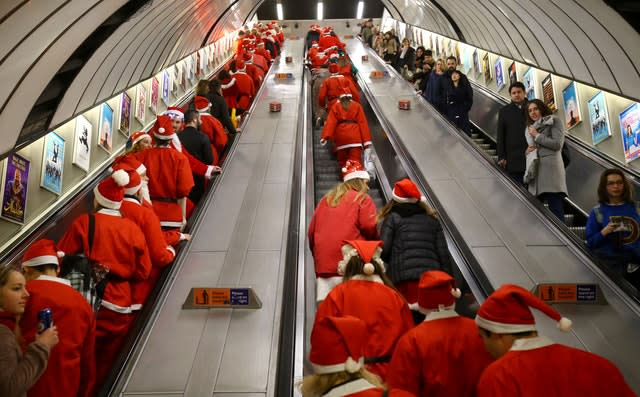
(59, 58)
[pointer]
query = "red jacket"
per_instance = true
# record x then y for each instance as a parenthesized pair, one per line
(213, 129)
(327, 41)
(351, 220)
(118, 244)
(256, 74)
(170, 179)
(382, 308)
(230, 91)
(261, 62)
(71, 369)
(347, 128)
(335, 85)
(264, 53)
(246, 90)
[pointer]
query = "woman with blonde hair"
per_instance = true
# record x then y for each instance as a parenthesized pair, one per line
(19, 371)
(413, 239)
(346, 212)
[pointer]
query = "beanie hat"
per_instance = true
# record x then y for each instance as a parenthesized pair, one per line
(175, 113)
(135, 182)
(128, 163)
(202, 103)
(110, 192)
(353, 169)
(405, 191)
(368, 251)
(163, 129)
(436, 290)
(337, 344)
(42, 252)
(507, 311)
(334, 68)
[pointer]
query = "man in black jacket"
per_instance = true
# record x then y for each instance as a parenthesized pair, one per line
(219, 108)
(512, 143)
(198, 145)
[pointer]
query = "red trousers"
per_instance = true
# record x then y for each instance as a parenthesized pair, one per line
(111, 332)
(350, 153)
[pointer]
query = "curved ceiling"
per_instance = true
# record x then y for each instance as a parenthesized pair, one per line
(584, 40)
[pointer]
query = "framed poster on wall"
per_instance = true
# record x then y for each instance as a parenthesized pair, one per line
(141, 103)
(530, 84)
(125, 114)
(571, 104)
(166, 87)
(476, 62)
(105, 128)
(630, 130)
(52, 163)
(198, 64)
(548, 96)
(499, 74)
(513, 73)
(177, 74)
(486, 68)
(82, 143)
(599, 118)
(15, 185)
(155, 94)
(437, 47)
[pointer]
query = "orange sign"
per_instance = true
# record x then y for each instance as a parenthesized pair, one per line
(211, 297)
(377, 74)
(348, 36)
(558, 292)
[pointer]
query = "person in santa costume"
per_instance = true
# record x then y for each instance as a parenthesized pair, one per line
(329, 39)
(414, 241)
(532, 365)
(261, 50)
(170, 179)
(368, 294)
(346, 212)
(256, 74)
(119, 245)
(347, 128)
(334, 86)
(427, 359)
(245, 87)
(71, 369)
(212, 128)
(337, 356)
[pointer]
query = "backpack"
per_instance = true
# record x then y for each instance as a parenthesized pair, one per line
(86, 277)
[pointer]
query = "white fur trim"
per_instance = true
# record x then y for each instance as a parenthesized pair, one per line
(432, 315)
(229, 84)
(171, 223)
(136, 306)
(115, 308)
(105, 202)
(503, 328)
(325, 285)
(161, 130)
(374, 278)
(110, 212)
(524, 344)
(352, 366)
(120, 177)
(54, 279)
(41, 260)
(564, 324)
(347, 389)
(345, 95)
(456, 293)
(141, 170)
(356, 174)
(348, 145)
(60, 254)
(164, 137)
(330, 369)
(172, 250)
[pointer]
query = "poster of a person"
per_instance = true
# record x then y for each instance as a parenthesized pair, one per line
(499, 74)
(572, 115)
(166, 86)
(14, 194)
(82, 143)
(105, 129)
(125, 113)
(155, 94)
(599, 118)
(630, 128)
(530, 84)
(141, 100)
(52, 163)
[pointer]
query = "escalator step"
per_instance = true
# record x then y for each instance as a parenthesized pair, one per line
(323, 184)
(579, 231)
(334, 176)
(491, 152)
(485, 146)
(475, 136)
(478, 141)
(494, 158)
(568, 219)
(325, 163)
(326, 169)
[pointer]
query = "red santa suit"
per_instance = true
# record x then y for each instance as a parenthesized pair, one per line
(535, 366)
(245, 87)
(264, 53)
(170, 177)
(348, 129)
(71, 365)
(319, 60)
(334, 86)
(255, 72)
(212, 128)
(328, 40)
(362, 388)
(260, 61)
(385, 312)
(230, 91)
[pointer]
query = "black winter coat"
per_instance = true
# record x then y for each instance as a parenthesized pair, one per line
(458, 106)
(220, 110)
(413, 243)
(512, 143)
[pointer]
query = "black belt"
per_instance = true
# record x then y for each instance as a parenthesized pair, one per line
(377, 360)
(347, 122)
(164, 199)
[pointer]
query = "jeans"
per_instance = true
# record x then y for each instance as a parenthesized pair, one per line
(556, 203)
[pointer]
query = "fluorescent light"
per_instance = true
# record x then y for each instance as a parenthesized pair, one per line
(279, 11)
(360, 10)
(320, 11)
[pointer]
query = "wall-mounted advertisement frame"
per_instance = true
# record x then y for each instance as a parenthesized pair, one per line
(630, 130)
(499, 72)
(548, 95)
(14, 188)
(82, 143)
(599, 118)
(530, 84)
(52, 163)
(105, 128)
(571, 104)
(124, 124)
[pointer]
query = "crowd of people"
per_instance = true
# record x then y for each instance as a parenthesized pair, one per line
(385, 322)
(122, 246)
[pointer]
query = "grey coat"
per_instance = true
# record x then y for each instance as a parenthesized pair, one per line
(551, 177)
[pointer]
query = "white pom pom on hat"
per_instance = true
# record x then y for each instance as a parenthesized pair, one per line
(368, 268)
(565, 324)
(120, 177)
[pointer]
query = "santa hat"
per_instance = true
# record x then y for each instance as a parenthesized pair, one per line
(163, 129)
(345, 94)
(42, 252)
(334, 68)
(128, 163)
(202, 103)
(138, 136)
(405, 191)
(315, 44)
(353, 169)
(175, 113)
(239, 64)
(436, 290)
(507, 311)
(337, 344)
(110, 192)
(368, 251)
(135, 182)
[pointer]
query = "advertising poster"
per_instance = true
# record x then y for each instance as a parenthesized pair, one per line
(476, 62)
(468, 60)
(431, 42)
(599, 118)
(571, 104)
(513, 73)
(125, 113)
(185, 73)
(190, 68)
(155, 94)
(198, 63)
(486, 68)
(530, 84)
(499, 74)
(630, 130)
(437, 48)
(166, 87)
(141, 101)
(14, 194)
(82, 143)
(52, 163)
(458, 54)
(548, 97)
(105, 128)
(177, 73)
